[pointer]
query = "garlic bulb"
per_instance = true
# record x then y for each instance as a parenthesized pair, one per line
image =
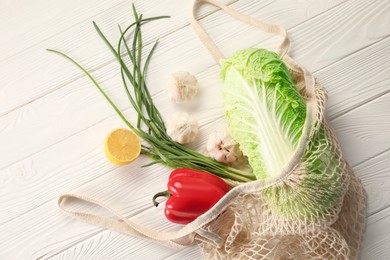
(181, 87)
(222, 148)
(182, 128)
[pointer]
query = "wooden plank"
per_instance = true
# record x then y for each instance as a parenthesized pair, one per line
(61, 177)
(79, 100)
(81, 157)
(374, 175)
(91, 156)
(153, 218)
(164, 54)
(35, 21)
(191, 253)
(376, 239)
(347, 92)
(50, 234)
(33, 66)
(125, 246)
(110, 187)
(40, 20)
(366, 128)
(345, 36)
(77, 95)
(376, 186)
(101, 249)
(35, 62)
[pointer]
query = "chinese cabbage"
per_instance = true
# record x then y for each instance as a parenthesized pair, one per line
(264, 110)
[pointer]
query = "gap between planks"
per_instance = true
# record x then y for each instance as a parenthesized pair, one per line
(104, 64)
(109, 116)
(93, 236)
(60, 32)
(99, 67)
(368, 100)
(97, 233)
(127, 108)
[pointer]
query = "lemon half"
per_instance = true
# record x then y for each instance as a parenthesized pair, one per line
(122, 146)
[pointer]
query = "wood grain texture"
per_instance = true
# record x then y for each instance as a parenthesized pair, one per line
(374, 174)
(32, 67)
(39, 114)
(361, 129)
(345, 38)
(52, 122)
(102, 249)
(169, 57)
(33, 22)
(376, 240)
(69, 166)
(345, 89)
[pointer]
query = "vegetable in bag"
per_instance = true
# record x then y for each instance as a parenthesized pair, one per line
(307, 202)
(264, 110)
(266, 115)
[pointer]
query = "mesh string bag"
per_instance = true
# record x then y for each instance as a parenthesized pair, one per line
(286, 219)
(314, 209)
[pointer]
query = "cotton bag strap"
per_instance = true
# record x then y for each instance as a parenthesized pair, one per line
(186, 235)
(270, 28)
(175, 239)
(212, 47)
(122, 224)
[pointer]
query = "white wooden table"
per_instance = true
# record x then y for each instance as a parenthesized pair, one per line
(53, 121)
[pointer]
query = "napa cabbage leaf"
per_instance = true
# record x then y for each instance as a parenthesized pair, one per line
(266, 115)
(264, 110)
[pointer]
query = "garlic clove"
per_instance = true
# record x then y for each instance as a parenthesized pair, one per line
(182, 128)
(181, 87)
(222, 147)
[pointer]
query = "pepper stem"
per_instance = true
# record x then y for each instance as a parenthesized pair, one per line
(165, 194)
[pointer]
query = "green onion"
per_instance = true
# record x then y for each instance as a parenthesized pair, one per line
(161, 148)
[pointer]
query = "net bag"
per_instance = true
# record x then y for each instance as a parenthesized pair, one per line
(315, 209)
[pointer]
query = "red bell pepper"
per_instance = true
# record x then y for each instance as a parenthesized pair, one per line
(190, 194)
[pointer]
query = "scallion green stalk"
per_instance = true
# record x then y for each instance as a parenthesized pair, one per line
(161, 148)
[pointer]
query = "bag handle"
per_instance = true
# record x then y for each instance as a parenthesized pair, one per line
(175, 239)
(210, 44)
(187, 234)
(309, 86)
